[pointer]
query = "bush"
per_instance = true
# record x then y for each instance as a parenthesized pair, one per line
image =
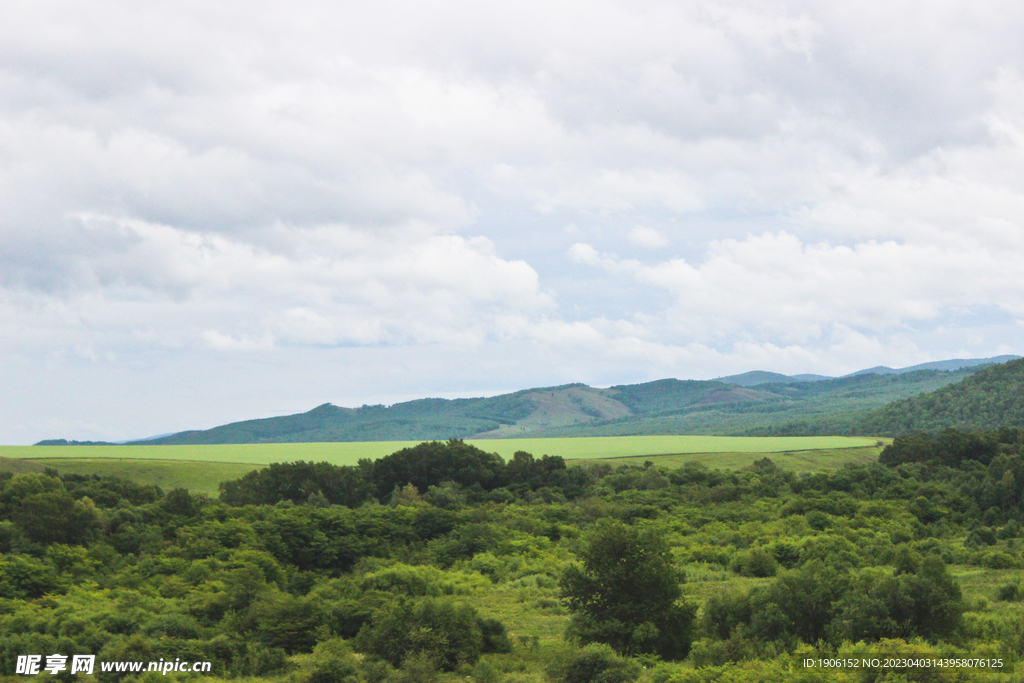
(494, 638)
(445, 631)
(757, 562)
(708, 652)
(485, 672)
(333, 662)
(25, 577)
(724, 612)
(999, 560)
(417, 581)
(173, 626)
(285, 621)
(596, 663)
(1009, 592)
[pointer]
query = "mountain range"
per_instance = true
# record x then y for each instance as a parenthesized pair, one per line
(878, 401)
(755, 377)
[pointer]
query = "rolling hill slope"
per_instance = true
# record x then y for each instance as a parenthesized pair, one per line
(430, 418)
(667, 406)
(833, 406)
(953, 364)
(751, 406)
(992, 398)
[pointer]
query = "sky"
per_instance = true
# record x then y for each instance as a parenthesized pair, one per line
(212, 212)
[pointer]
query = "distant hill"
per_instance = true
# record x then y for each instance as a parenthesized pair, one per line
(947, 365)
(423, 419)
(755, 377)
(65, 442)
(754, 403)
(832, 406)
(992, 398)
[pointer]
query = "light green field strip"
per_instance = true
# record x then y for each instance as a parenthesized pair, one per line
(595, 447)
(198, 477)
(349, 453)
(797, 462)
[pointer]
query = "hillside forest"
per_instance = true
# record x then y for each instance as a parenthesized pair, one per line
(442, 562)
(978, 397)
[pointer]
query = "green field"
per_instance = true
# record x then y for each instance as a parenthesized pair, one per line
(202, 468)
(349, 453)
(793, 461)
(198, 477)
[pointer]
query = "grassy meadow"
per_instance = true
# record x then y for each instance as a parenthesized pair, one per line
(798, 462)
(198, 477)
(350, 452)
(201, 468)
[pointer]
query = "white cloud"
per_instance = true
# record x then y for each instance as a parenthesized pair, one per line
(775, 286)
(327, 285)
(649, 238)
(799, 186)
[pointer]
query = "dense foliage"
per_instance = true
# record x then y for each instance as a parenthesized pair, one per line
(526, 571)
(452, 470)
(990, 399)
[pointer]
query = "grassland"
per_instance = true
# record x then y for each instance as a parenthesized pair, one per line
(349, 453)
(198, 477)
(202, 468)
(799, 462)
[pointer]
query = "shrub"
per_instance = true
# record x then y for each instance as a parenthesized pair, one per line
(333, 662)
(285, 621)
(757, 562)
(596, 663)
(443, 630)
(708, 652)
(723, 613)
(999, 560)
(173, 626)
(494, 638)
(1009, 592)
(418, 581)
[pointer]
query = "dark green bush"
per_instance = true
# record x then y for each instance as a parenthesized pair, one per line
(597, 663)
(1009, 592)
(446, 631)
(494, 638)
(756, 562)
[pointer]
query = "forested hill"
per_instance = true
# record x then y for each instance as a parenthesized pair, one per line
(992, 398)
(789, 406)
(668, 406)
(518, 414)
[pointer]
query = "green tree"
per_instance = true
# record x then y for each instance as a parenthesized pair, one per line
(627, 594)
(431, 463)
(285, 621)
(56, 517)
(445, 632)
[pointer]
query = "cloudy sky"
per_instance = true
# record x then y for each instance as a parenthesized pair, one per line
(220, 211)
